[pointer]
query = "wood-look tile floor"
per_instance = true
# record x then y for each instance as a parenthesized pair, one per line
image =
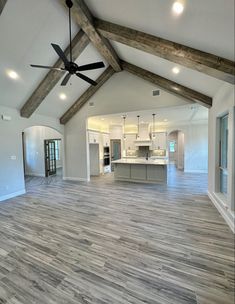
(107, 242)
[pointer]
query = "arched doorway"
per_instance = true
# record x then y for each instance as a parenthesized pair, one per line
(42, 154)
(176, 149)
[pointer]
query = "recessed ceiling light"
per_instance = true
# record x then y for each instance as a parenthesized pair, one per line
(62, 96)
(102, 119)
(165, 120)
(12, 74)
(176, 70)
(178, 8)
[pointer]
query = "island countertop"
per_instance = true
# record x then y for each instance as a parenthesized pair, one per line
(141, 161)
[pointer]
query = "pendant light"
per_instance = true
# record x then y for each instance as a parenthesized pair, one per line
(138, 125)
(153, 128)
(124, 127)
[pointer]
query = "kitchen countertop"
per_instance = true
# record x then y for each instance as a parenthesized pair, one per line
(141, 161)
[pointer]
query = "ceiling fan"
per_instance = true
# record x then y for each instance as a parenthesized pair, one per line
(70, 66)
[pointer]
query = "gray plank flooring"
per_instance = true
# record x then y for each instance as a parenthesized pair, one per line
(107, 242)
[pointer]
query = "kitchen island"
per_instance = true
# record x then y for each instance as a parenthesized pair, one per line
(141, 170)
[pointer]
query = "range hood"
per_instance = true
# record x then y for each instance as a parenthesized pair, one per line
(144, 138)
(143, 143)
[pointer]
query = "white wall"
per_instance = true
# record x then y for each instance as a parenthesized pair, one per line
(94, 159)
(34, 149)
(11, 152)
(173, 156)
(223, 103)
(180, 159)
(196, 148)
(192, 146)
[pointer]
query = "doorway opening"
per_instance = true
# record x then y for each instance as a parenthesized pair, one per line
(42, 154)
(176, 149)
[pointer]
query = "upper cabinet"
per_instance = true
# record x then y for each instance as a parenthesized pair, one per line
(160, 141)
(106, 140)
(129, 143)
(94, 137)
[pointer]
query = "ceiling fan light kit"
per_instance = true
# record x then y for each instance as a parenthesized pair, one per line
(71, 67)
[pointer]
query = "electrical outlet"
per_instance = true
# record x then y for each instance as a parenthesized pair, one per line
(13, 157)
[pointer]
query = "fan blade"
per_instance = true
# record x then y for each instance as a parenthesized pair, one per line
(86, 79)
(91, 66)
(46, 67)
(61, 54)
(66, 79)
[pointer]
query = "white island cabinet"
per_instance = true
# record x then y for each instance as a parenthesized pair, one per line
(141, 170)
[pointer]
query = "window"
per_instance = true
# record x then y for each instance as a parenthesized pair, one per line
(172, 146)
(57, 149)
(223, 154)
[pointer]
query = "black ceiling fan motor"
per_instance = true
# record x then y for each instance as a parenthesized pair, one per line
(69, 65)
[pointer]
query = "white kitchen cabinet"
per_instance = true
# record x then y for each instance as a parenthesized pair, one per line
(129, 143)
(94, 137)
(106, 140)
(160, 141)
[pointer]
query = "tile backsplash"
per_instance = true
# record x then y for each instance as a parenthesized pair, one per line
(131, 153)
(142, 152)
(158, 152)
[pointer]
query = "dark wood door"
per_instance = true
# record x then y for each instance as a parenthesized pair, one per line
(50, 157)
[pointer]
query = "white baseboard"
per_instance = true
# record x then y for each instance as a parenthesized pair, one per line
(76, 179)
(195, 171)
(11, 195)
(227, 214)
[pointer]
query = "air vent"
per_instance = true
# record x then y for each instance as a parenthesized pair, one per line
(156, 92)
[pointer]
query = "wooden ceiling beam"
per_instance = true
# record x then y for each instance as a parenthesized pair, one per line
(87, 95)
(79, 43)
(2, 4)
(168, 85)
(84, 19)
(206, 63)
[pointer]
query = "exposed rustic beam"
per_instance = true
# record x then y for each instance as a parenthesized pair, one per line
(87, 95)
(209, 64)
(2, 4)
(84, 19)
(168, 85)
(79, 43)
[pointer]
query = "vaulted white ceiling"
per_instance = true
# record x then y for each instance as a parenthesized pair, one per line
(207, 25)
(28, 27)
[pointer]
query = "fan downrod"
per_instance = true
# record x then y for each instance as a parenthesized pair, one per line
(69, 3)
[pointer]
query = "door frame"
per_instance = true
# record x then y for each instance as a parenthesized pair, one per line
(46, 147)
(23, 151)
